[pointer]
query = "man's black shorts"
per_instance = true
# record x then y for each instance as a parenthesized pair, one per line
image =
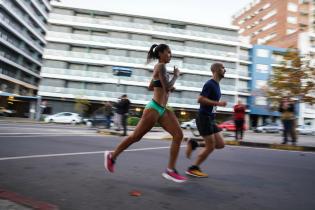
(206, 125)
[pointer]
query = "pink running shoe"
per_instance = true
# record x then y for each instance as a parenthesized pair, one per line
(174, 176)
(109, 162)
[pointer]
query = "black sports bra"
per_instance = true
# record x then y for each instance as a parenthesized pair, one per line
(157, 83)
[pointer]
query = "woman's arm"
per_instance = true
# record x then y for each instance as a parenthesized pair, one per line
(167, 85)
(151, 87)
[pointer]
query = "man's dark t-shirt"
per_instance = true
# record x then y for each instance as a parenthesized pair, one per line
(212, 91)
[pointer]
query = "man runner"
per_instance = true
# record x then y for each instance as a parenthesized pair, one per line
(209, 99)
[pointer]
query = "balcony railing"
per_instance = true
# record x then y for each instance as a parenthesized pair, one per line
(107, 94)
(143, 27)
(30, 26)
(146, 44)
(132, 61)
(134, 78)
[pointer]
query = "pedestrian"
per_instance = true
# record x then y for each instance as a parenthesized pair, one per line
(124, 111)
(156, 111)
(117, 116)
(108, 112)
(209, 100)
(287, 111)
(239, 120)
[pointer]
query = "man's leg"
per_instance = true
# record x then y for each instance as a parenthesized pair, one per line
(236, 129)
(219, 141)
(285, 131)
(194, 170)
(124, 123)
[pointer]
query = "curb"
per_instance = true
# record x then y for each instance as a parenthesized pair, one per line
(264, 145)
(26, 201)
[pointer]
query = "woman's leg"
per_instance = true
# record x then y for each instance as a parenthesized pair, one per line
(170, 123)
(148, 119)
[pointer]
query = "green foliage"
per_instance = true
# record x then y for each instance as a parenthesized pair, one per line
(133, 121)
(81, 105)
(294, 78)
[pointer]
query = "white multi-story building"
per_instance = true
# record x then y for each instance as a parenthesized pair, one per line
(84, 45)
(22, 41)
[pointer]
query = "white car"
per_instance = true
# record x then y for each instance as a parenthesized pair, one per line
(189, 124)
(64, 117)
(306, 130)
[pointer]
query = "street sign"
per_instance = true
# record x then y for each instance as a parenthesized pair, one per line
(122, 71)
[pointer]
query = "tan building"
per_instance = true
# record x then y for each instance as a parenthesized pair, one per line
(275, 22)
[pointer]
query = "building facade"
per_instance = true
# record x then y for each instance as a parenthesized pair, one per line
(22, 41)
(263, 58)
(84, 46)
(274, 22)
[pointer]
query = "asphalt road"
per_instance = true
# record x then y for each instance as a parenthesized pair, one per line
(63, 165)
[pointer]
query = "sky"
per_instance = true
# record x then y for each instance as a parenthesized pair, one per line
(211, 12)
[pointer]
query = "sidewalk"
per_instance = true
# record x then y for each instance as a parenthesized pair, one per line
(19, 120)
(272, 141)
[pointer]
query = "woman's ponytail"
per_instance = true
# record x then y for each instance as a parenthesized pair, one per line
(152, 54)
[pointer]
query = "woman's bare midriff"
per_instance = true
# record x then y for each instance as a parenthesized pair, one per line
(159, 94)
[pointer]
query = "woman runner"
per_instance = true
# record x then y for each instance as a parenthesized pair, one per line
(155, 111)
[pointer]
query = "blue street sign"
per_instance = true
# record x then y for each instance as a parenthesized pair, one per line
(122, 71)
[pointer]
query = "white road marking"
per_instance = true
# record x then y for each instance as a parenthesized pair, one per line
(79, 153)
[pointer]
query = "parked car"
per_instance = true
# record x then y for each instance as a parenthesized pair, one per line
(64, 117)
(6, 112)
(269, 128)
(305, 130)
(97, 121)
(230, 126)
(189, 124)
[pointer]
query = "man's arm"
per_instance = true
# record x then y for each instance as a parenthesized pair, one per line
(166, 85)
(207, 102)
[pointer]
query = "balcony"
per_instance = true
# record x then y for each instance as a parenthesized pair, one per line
(20, 33)
(32, 13)
(21, 50)
(40, 8)
(130, 26)
(106, 95)
(135, 44)
(101, 59)
(16, 13)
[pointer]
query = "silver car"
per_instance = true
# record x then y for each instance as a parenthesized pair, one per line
(269, 128)
(189, 124)
(306, 130)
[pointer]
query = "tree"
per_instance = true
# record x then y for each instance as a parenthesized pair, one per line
(294, 78)
(81, 105)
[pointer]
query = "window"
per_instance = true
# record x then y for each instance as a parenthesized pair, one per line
(291, 31)
(262, 53)
(270, 14)
(262, 68)
(292, 19)
(261, 101)
(241, 21)
(268, 26)
(266, 6)
(292, 7)
(260, 84)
